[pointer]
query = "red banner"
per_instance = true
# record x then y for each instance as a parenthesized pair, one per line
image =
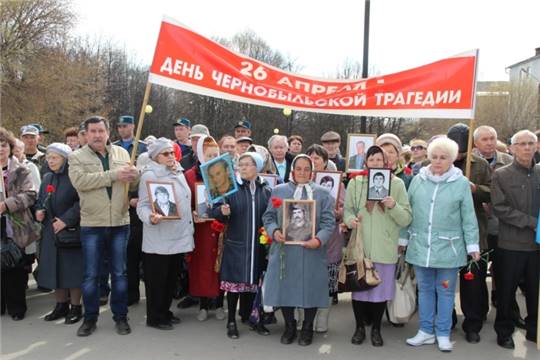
(187, 61)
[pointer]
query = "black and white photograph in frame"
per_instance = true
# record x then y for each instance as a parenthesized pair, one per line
(271, 179)
(357, 147)
(298, 221)
(330, 180)
(163, 199)
(378, 184)
(202, 205)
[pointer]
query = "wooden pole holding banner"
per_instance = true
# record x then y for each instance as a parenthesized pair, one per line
(138, 134)
(469, 149)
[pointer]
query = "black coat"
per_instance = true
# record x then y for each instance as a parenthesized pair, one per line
(243, 256)
(59, 268)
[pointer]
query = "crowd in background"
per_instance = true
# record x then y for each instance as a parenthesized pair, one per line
(100, 233)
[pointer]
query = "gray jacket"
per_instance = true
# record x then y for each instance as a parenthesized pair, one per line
(515, 199)
(297, 276)
(169, 236)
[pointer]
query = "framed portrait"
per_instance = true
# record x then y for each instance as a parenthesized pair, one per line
(162, 197)
(218, 177)
(357, 146)
(202, 205)
(298, 221)
(330, 180)
(271, 179)
(378, 184)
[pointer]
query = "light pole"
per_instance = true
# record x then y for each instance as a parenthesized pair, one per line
(363, 121)
(289, 115)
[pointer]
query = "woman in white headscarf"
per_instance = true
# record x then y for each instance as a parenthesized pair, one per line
(297, 275)
(203, 278)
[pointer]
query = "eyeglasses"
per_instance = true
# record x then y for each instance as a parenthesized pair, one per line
(525, 143)
(167, 153)
(417, 147)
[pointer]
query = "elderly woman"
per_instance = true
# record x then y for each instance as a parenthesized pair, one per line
(297, 275)
(203, 278)
(392, 147)
(243, 255)
(17, 196)
(444, 229)
(334, 248)
(164, 240)
(380, 223)
(60, 268)
(278, 146)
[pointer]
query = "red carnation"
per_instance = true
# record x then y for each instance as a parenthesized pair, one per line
(276, 202)
(468, 276)
(445, 284)
(217, 226)
(358, 173)
(50, 189)
(407, 171)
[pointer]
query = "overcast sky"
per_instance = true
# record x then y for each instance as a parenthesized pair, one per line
(320, 35)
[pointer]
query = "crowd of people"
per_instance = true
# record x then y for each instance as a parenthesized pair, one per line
(100, 218)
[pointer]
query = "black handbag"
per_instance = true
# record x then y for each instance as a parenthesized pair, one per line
(68, 238)
(11, 254)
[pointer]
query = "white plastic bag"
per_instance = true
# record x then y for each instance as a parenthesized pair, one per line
(403, 307)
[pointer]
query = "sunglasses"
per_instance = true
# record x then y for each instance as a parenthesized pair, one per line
(417, 147)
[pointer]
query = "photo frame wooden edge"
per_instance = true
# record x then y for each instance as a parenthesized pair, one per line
(151, 197)
(285, 214)
(347, 149)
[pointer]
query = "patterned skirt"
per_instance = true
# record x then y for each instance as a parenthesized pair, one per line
(237, 287)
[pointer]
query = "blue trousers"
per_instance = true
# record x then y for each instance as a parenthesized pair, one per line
(436, 291)
(96, 242)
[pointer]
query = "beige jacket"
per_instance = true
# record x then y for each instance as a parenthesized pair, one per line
(91, 181)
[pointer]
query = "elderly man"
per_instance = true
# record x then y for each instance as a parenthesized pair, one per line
(515, 199)
(100, 173)
(30, 138)
(473, 293)
(331, 140)
(485, 142)
(278, 146)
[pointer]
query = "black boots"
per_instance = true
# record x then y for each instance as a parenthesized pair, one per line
(87, 328)
(289, 334)
(306, 334)
(74, 314)
(376, 338)
(359, 335)
(60, 311)
(232, 330)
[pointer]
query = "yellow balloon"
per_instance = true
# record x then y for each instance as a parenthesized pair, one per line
(148, 109)
(287, 111)
(276, 131)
